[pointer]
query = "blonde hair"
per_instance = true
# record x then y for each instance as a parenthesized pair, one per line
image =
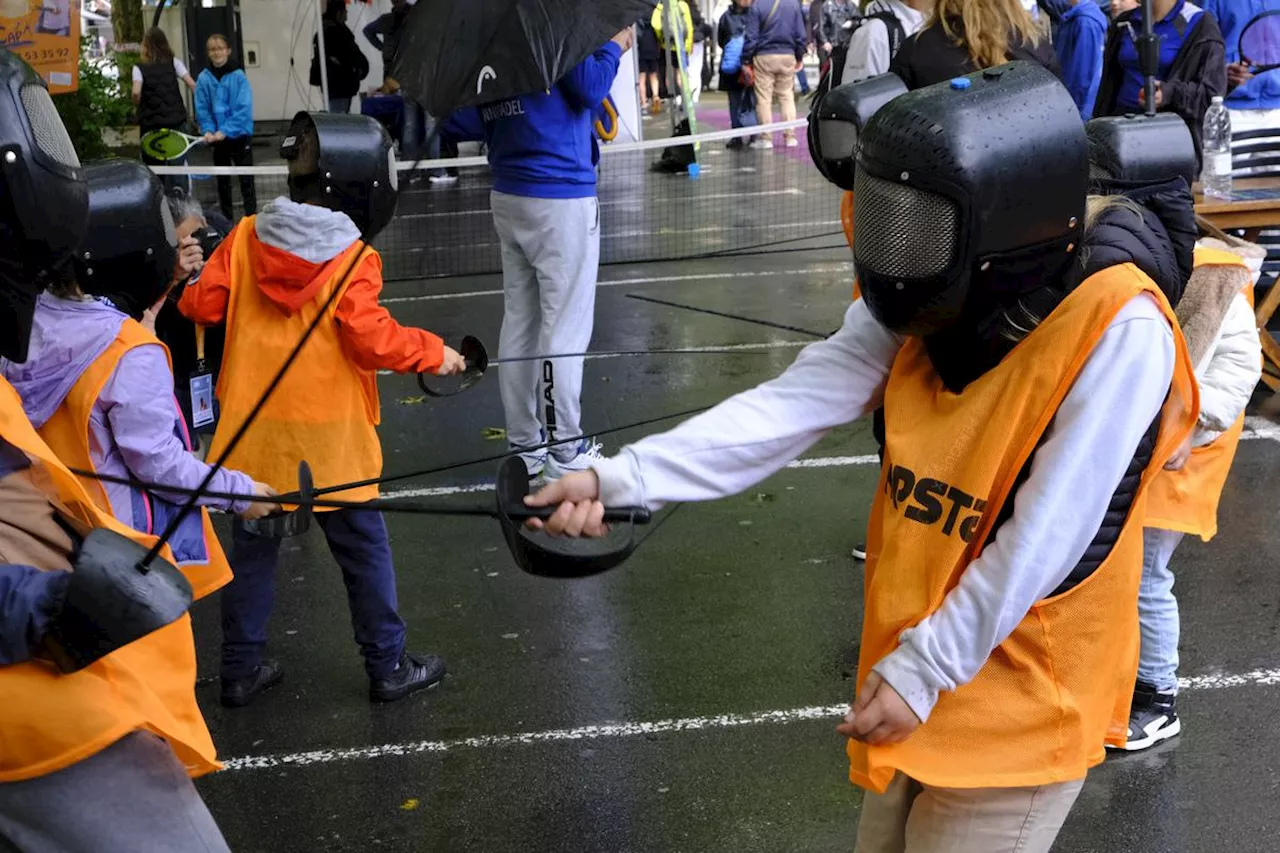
(991, 28)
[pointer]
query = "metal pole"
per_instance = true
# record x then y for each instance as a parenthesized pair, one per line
(324, 64)
(1149, 55)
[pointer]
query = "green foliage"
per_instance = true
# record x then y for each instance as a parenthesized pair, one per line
(100, 102)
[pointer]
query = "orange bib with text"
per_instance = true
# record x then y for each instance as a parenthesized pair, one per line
(1050, 695)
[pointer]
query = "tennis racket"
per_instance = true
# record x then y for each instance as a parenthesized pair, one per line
(1260, 43)
(166, 144)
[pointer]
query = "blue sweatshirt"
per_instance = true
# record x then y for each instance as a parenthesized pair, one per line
(1263, 91)
(777, 31)
(543, 145)
(1080, 42)
(224, 105)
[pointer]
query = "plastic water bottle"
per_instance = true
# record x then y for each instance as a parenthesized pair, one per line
(1215, 179)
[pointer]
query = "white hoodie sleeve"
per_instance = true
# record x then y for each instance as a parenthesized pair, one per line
(754, 434)
(1229, 374)
(1056, 512)
(868, 52)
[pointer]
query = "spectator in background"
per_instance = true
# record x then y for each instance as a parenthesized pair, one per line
(684, 20)
(1254, 100)
(157, 96)
(1119, 7)
(884, 28)
(963, 36)
(224, 108)
(543, 152)
(1080, 34)
(649, 54)
(733, 29)
(175, 331)
(384, 34)
(835, 31)
(345, 63)
(773, 51)
(1193, 65)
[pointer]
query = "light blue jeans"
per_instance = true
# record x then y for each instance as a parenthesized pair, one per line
(1158, 611)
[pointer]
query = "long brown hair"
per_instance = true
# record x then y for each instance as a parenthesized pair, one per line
(155, 46)
(991, 28)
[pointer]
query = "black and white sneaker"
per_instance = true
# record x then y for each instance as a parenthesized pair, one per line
(1152, 719)
(860, 551)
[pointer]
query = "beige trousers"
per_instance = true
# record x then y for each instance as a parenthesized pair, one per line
(913, 818)
(775, 72)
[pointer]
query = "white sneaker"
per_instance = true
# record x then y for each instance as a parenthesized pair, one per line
(792, 142)
(762, 144)
(589, 452)
(444, 179)
(535, 462)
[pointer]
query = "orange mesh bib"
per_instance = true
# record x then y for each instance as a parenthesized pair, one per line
(1186, 500)
(1042, 706)
(67, 433)
(48, 720)
(325, 410)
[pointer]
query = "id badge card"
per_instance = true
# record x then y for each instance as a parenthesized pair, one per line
(201, 399)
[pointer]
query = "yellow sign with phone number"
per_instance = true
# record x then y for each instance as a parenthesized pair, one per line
(46, 34)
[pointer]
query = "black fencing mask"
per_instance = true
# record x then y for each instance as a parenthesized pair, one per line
(837, 119)
(1140, 149)
(345, 163)
(967, 191)
(43, 199)
(130, 248)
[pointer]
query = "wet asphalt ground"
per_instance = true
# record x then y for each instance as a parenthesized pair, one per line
(685, 701)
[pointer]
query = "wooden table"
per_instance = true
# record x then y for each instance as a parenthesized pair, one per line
(1253, 216)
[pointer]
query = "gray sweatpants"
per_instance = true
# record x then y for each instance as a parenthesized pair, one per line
(133, 797)
(550, 257)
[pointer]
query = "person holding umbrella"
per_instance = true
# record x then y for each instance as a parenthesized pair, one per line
(543, 153)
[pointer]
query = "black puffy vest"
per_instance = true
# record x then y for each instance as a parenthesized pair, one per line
(1162, 245)
(161, 102)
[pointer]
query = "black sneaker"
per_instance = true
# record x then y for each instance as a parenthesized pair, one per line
(413, 673)
(1152, 719)
(860, 551)
(242, 691)
(734, 144)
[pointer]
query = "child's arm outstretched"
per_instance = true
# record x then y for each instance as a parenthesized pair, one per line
(375, 341)
(140, 413)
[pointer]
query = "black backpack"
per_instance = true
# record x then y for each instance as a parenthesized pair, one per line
(897, 35)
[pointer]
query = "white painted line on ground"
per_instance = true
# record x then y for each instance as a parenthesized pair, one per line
(621, 282)
(1257, 678)
(640, 203)
(727, 348)
(659, 234)
(1255, 428)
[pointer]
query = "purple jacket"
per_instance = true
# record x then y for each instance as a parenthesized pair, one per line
(132, 426)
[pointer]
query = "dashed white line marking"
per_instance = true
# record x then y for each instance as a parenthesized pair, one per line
(1257, 678)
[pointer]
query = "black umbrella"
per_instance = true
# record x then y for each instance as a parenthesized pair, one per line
(459, 53)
